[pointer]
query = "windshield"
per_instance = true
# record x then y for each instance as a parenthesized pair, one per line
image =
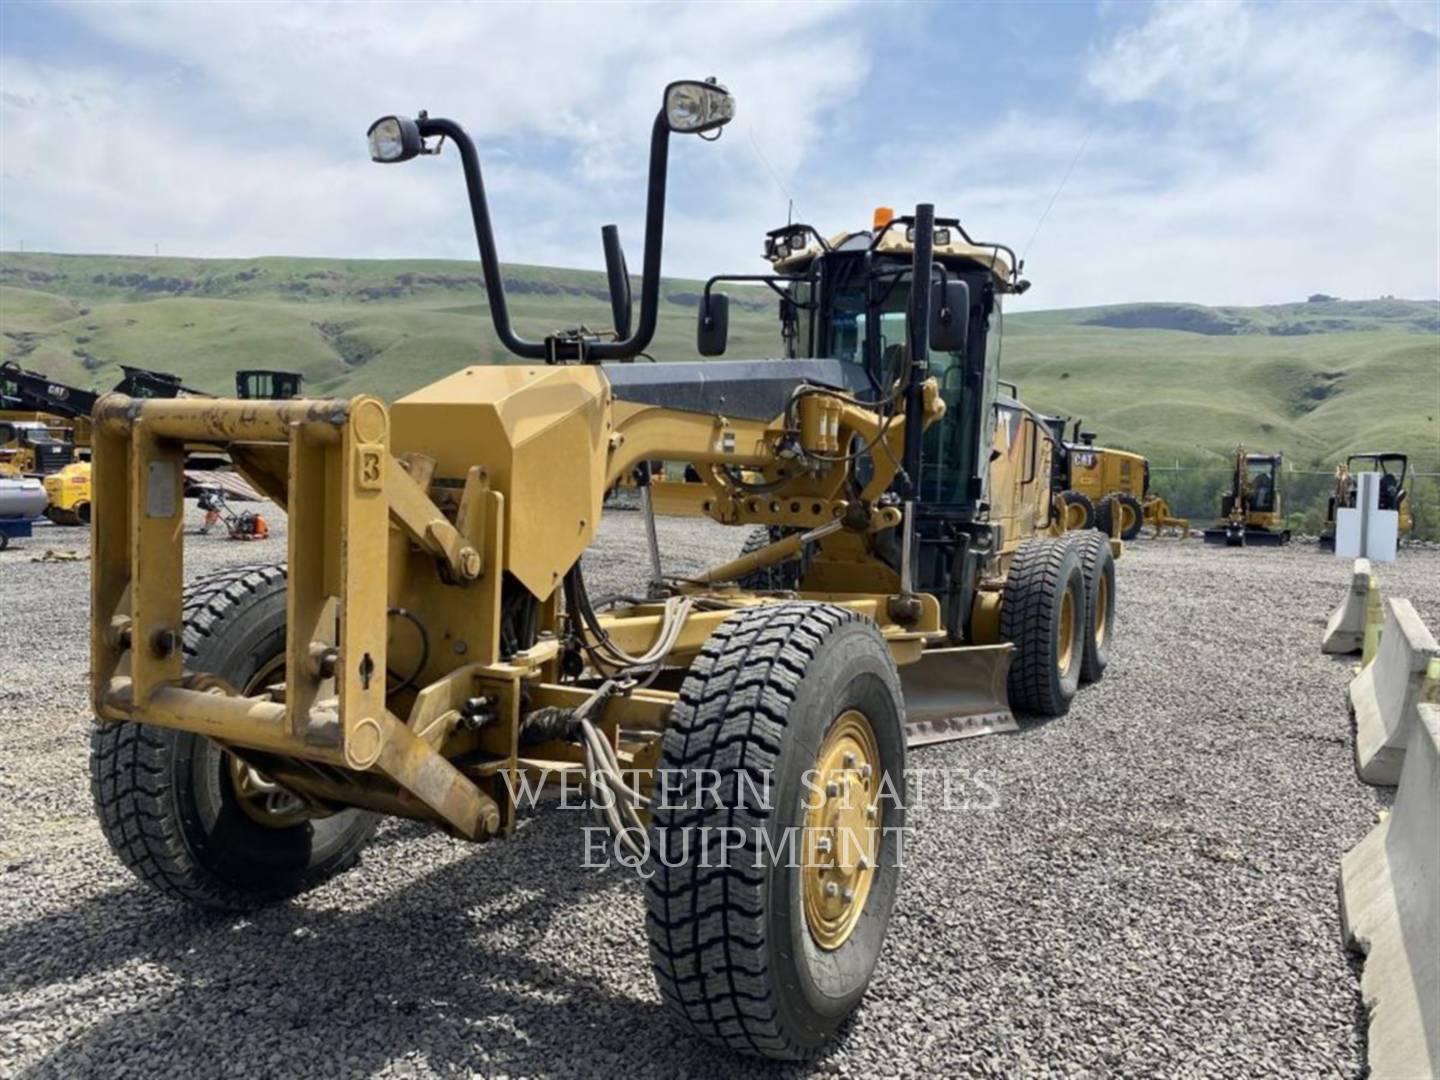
(857, 314)
(1388, 466)
(1261, 474)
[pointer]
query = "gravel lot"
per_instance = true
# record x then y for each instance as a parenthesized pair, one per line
(1154, 894)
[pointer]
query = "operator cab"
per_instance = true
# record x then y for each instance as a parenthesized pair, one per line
(1260, 472)
(848, 298)
(1393, 469)
(850, 301)
(49, 452)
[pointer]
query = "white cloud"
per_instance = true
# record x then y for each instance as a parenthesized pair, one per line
(1238, 154)
(242, 132)
(1235, 153)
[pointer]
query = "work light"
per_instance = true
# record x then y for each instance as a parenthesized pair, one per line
(693, 107)
(942, 236)
(394, 138)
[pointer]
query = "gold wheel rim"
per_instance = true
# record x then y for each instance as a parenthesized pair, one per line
(1074, 515)
(261, 799)
(842, 830)
(1127, 517)
(1102, 609)
(1067, 632)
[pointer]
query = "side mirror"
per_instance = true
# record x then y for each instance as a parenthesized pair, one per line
(714, 326)
(949, 316)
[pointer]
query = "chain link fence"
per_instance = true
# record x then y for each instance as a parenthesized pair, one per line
(1194, 491)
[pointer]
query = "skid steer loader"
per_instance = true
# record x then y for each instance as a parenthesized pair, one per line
(430, 641)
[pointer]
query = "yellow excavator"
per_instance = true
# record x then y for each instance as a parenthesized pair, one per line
(1393, 467)
(430, 643)
(1250, 512)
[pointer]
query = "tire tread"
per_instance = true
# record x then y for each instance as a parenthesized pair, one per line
(706, 923)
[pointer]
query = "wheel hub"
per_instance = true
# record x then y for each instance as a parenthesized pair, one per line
(263, 800)
(1102, 609)
(842, 830)
(1067, 632)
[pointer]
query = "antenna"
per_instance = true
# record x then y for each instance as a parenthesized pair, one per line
(755, 146)
(1063, 181)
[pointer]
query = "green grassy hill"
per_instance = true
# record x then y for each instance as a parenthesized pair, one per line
(1314, 380)
(1175, 381)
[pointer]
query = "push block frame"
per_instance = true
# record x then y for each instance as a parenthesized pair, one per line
(329, 462)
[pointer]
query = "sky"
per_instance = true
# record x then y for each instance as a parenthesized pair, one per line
(1214, 152)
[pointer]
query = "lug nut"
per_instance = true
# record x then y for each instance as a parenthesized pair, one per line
(871, 812)
(863, 864)
(832, 789)
(824, 845)
(849, 760)
(848, 895)
(831, 889)
(866, 772)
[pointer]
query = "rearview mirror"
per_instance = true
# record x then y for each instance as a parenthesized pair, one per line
(714, 326)
(949, 316)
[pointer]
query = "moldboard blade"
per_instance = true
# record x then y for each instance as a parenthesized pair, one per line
(957, 693)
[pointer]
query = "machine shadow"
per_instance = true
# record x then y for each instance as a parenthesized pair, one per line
(439, 970)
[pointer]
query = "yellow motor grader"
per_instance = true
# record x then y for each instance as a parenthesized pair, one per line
(1107, 489)
(430, 642)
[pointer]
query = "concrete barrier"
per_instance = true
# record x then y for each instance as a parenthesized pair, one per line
(1384, 696)
(1390, 911)
(1345, 631)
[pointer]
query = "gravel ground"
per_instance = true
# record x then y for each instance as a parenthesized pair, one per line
(1153, 894)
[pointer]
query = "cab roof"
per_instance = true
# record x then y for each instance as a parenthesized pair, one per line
(958, 254)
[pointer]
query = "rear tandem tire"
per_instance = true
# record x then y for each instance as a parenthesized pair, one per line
(1104, 514)
(1098, 566)
(166, 799)
(1081, 518)
(1042, 612)
(739, 944)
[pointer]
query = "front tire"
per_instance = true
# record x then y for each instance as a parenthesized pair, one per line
(753, 950)
(1042, 612)
(184, 815)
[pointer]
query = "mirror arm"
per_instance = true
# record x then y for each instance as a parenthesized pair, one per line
(484, 237)
(632, 344)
